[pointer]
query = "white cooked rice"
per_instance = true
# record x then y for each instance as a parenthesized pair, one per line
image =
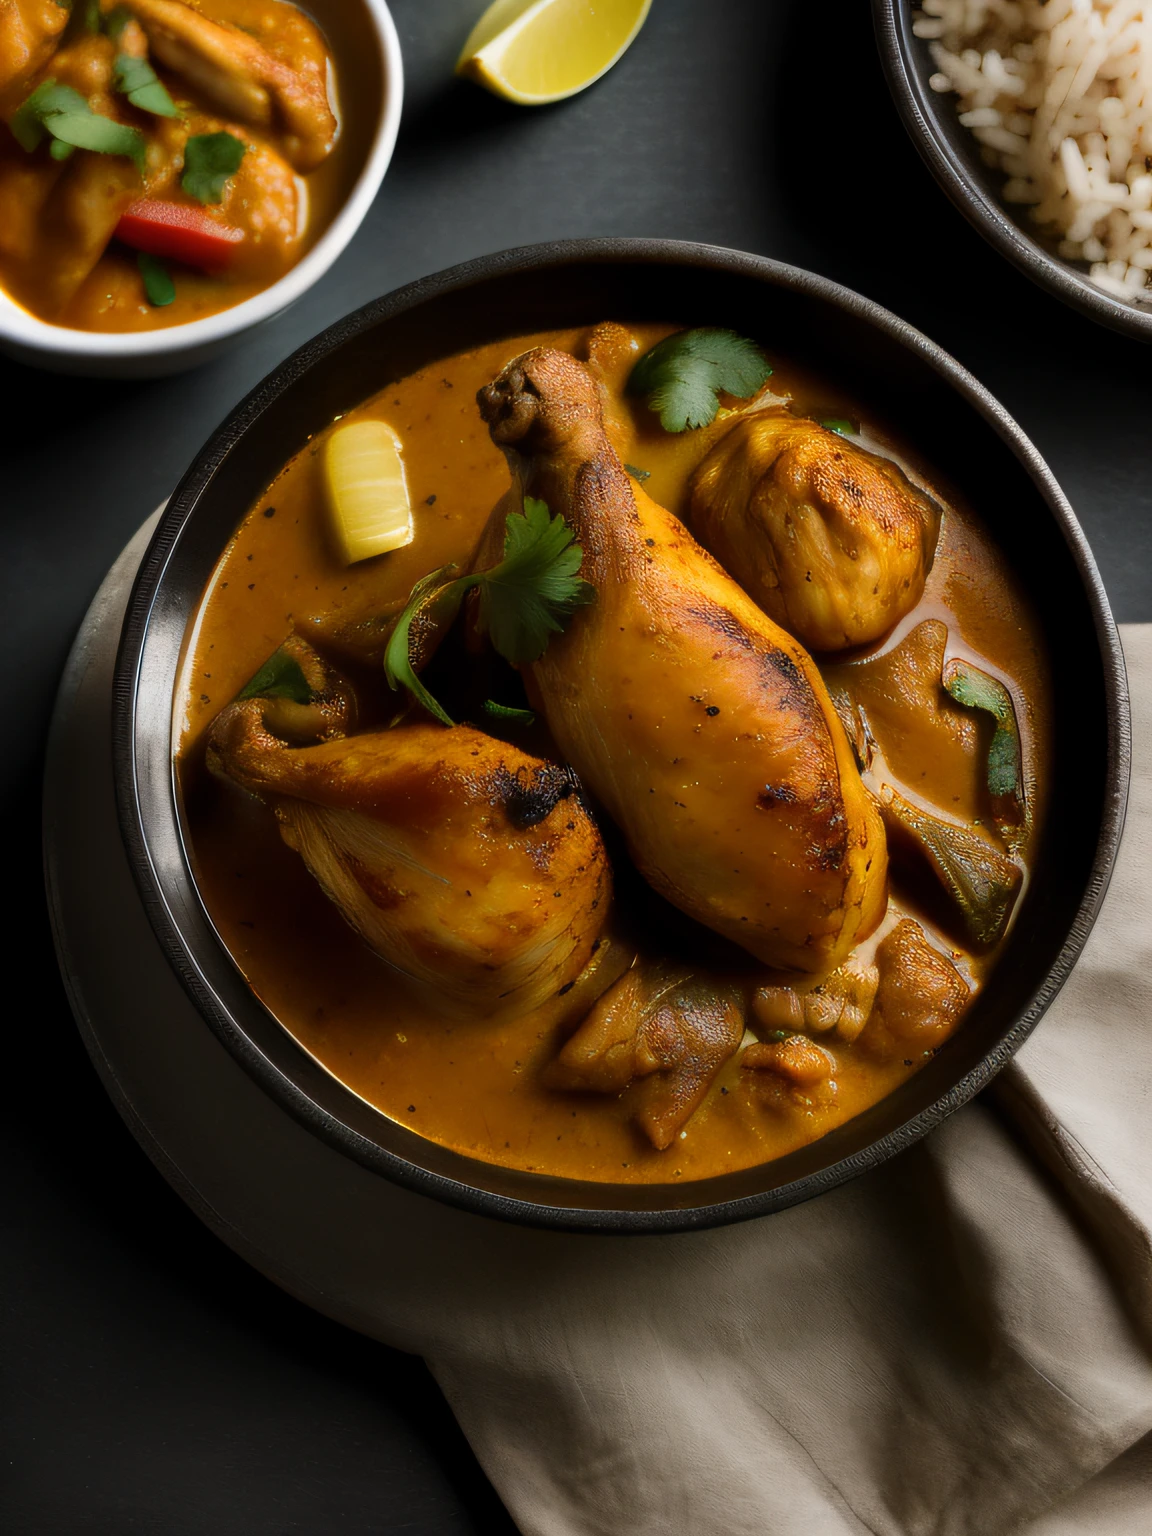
(1059, 93)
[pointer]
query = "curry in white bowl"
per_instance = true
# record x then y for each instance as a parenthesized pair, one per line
(162, 160)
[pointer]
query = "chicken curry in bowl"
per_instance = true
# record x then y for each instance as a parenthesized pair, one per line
(660, 799)
(161, 160)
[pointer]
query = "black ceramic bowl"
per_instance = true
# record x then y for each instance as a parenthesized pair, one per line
(953, 156)
(956, 424)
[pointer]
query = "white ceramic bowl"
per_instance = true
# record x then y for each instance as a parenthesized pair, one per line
(367, 27)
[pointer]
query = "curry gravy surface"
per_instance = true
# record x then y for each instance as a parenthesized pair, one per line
(476, 1086)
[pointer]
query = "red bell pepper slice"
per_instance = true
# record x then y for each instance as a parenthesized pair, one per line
(180, 233)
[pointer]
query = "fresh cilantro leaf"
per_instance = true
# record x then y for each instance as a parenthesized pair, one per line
(158, 285)
(88, 130)
(509, 712)
(209, 160)
(841, 425)
(28, 120)
(281, 677)
(137, 80)
(523, 600)
(684, 375)
(637, 474)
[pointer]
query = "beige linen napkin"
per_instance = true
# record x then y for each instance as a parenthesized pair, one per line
(958, 1343)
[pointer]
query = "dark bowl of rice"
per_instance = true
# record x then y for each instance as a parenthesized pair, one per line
(1034, 122)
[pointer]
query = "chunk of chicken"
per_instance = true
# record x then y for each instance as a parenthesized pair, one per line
(704, 729)
(920, 998)
(263, 199)
(832, 541)
(896, 702)
(791, 1073)
(471, 867)
(244, 79)
(841, 1001)
(663, 1026)
(29, 30)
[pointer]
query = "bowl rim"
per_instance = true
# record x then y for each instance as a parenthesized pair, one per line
(127, 762)
(914, 101)
(20, 328)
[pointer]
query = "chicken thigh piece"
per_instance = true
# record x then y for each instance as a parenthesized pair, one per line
(471, 867)
(702, 726)
(832, 541)
(244, 79)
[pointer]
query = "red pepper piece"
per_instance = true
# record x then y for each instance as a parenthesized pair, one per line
(179, 233)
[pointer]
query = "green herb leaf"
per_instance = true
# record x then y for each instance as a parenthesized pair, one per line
(61, 151)
(160, 289)
(434, 596)
(137, 80)
(975, 689)
(524, 600)
(536, 586)
(28, 120)
(92, 15)
(637, 474)
(88, 130)
(209, 160)
(281, 677)
(684, 375)
(842, 425)
(509, 712)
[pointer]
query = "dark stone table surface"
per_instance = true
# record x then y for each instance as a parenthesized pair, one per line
(152, 1383)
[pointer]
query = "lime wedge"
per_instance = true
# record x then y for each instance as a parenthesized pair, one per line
(536, 51)
(367, 491)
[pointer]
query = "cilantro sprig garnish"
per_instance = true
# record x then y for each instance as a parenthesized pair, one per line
(136, 79)
(63, 114)
(523, 600)
(209, 160)
(684, 375)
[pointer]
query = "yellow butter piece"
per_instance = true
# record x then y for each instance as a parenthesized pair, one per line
(367, 490)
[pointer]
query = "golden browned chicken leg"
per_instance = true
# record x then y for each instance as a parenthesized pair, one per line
(704, 728)
(471, 867)
(832, 541)
(664, 1026)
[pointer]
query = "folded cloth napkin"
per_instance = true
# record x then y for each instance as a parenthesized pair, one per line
(958, 1343)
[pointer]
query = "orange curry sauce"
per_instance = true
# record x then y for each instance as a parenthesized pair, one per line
(476, 1086)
